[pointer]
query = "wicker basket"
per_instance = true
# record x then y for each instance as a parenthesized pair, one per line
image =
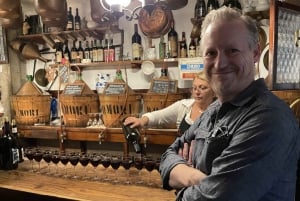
(76, 107)
(154, 101)
(30, 106)
(116, 106)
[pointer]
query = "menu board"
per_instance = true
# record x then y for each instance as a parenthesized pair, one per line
(115, 88)
(164, 86)
(74, 89)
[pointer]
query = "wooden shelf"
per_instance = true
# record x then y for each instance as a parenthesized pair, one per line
(124, 64)
(70, 35)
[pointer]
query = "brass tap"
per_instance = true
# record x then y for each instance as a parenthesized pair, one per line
(101, 137)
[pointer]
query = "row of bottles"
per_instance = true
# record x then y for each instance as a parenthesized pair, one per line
(94, 51)
(179, 48)
(201, 9)
(73, 23)
(11, 150)
(173, 49)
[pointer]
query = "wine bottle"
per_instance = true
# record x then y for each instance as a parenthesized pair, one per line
(132, 135)
(59, 52)
(162, 48)
(70, 20)
(212, 5)
(9, 150)
(173, 42)
(74, 52)
(80, 51)
(77, 21)
(87, 51)
(183, 46)
(198, 47)
(164, 72)
(111, 51)
(192, 48)
(93, 52)
(100, 51)
(136, 44)
(67, 54)
(200, 9)
(15, 134)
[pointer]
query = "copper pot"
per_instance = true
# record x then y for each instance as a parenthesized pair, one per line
(9, 5)
(155, 20)
(51, 8)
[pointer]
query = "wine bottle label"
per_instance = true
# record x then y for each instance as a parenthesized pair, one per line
(15, 155)
(77, 26)
(95, 55)
(73, 55)
(58, 56)
(69, 25)
(136, 50)
(173, 47)
(192, 51)
(100, 54)
(80, 54)
(14, 130)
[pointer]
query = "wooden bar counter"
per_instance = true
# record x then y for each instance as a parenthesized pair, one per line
(21, 184)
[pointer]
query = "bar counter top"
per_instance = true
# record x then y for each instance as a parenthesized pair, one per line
(59, 188)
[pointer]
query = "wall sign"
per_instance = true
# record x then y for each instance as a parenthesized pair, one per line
(115, 88)
(74, 89)
(163, 86)
(188, 67)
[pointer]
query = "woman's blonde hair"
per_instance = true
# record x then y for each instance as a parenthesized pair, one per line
(201, 75)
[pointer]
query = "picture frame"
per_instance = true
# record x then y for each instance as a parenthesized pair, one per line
(3, 46)
(284, 46)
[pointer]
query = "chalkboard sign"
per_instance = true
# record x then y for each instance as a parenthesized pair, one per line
(163, 86)
(115, 88)
(74, 89)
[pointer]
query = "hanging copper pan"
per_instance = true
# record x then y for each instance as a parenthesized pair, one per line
(155, 20)
(51, 8)
(31, 51)
(9, 5)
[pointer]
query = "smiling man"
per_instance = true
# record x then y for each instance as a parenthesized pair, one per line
(247, 143)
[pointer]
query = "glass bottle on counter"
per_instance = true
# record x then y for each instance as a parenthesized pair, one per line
(136, 44)
(77, 21)
(10, 153)
(183, 46)
(173, 42)
(70, 20)
(94, 51)
(15, 134)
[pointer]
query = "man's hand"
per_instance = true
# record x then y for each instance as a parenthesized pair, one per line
(186, 152)
(183, 175)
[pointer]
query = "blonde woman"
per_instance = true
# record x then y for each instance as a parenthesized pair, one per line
(183, 112)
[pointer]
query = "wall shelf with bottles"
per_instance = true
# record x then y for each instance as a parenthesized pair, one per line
(82, 34)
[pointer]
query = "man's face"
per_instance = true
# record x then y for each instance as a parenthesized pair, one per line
(228, 59)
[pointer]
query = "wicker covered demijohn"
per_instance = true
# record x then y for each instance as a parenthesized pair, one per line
(76, 102)
(30, 105)
(117, 101)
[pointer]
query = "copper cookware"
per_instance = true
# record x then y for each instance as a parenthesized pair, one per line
(51, 8)
(31, 51)
(9, 5)
(155, 20)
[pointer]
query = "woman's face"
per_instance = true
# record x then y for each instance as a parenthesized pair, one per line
(202, 92)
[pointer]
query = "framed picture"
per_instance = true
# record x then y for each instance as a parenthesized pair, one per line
(284, 52)
(3, 46)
